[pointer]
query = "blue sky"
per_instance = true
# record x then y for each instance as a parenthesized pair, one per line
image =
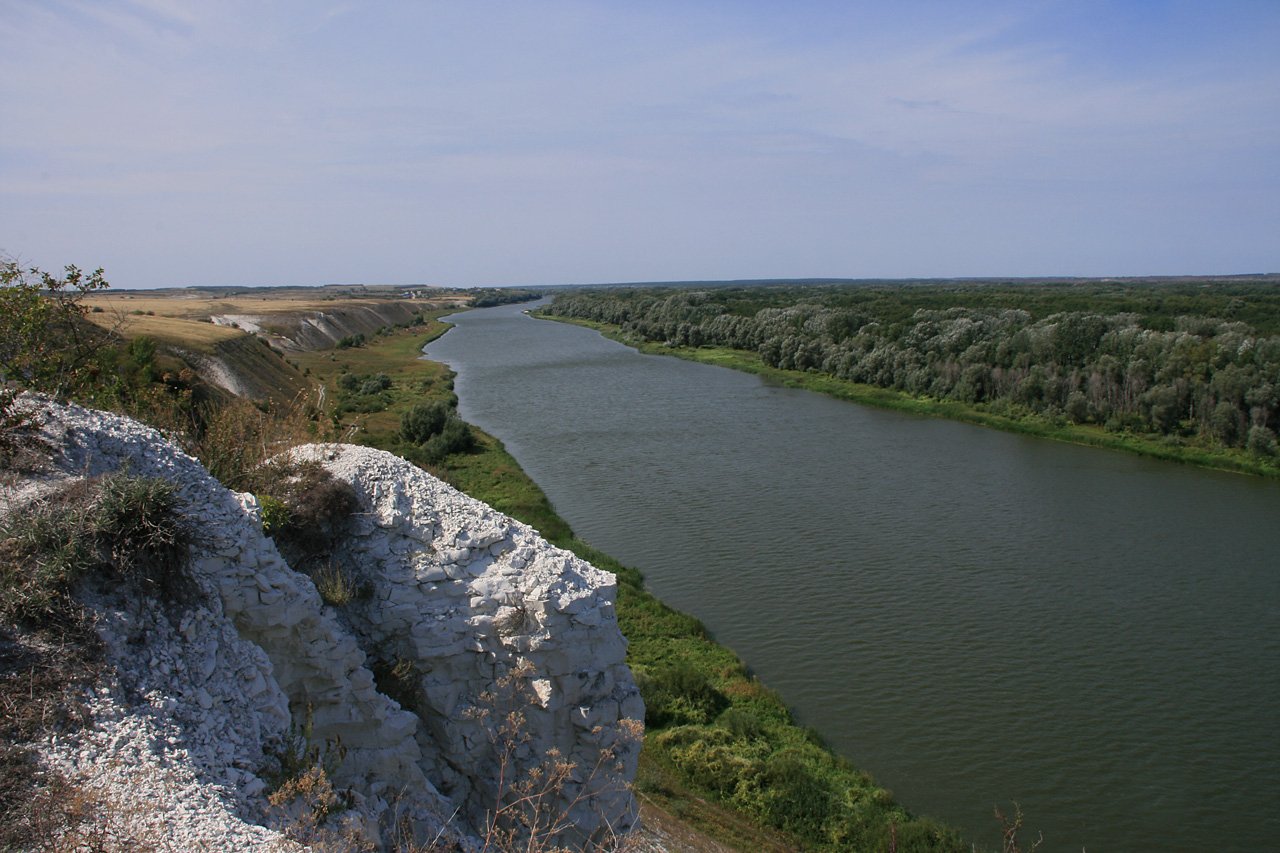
(478, 143)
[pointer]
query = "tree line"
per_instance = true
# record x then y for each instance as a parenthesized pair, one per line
(1199, 361)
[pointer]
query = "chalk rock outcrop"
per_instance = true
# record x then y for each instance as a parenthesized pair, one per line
(464, 615)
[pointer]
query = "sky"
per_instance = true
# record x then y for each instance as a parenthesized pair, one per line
(482, 143)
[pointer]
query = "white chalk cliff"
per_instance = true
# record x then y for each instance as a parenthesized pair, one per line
(456, 596)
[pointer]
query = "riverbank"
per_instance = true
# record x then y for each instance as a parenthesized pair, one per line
(1234, 461)
(722, 753)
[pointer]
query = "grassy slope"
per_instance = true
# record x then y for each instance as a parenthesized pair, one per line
(265, 373)
(658, 636)
(1223, 459)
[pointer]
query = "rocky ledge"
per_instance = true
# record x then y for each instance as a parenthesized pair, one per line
(502, 652)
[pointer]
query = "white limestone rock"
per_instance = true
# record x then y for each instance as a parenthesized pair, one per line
(197, 697)
(509, 597)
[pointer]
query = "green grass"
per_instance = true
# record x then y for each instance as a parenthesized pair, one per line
(1167, 448)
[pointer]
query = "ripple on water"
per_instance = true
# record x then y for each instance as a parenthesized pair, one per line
(974, 617)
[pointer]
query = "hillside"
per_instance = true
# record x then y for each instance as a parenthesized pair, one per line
(243, 344)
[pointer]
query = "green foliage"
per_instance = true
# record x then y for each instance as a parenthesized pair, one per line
(424, 421)
(45, 343)
(794, 794)
(679, 694)
(275, 514)
(454, 437)
(356, 340)
(1186, 368)
(742, 724)
(1262, 441)
(363, 393)
(437, 430)
(140, 356)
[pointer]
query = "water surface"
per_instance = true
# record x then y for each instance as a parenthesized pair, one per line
(972, 616)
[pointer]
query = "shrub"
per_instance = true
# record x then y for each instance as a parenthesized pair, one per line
(374, 384)
(1261, 441)
(437, 430)
(45, 342)
(363, 392)
(423, 422)
(302, 797)
(317, 509)
(454, 437)
(275, 514)
(532, 802)
(356, 340)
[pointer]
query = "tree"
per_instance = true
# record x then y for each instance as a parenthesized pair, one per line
(423, 422)
(1261, 441)
(45, 342)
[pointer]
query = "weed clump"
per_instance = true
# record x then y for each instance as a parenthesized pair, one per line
(118, 526)
(533, 803)
(435, 430)
(310, 509)
(335, 584)
(303, 799)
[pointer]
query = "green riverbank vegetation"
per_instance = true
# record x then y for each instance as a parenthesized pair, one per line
(1186, 370)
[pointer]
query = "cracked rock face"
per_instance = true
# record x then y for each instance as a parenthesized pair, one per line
(465, 616)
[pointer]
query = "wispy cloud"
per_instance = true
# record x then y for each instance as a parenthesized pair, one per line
(599, 141)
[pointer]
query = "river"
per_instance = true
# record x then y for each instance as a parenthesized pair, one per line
(974, 617)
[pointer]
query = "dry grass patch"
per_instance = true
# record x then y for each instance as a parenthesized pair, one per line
(170, 330)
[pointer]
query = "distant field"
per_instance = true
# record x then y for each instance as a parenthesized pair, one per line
(171, 330)
(183, 319)
(196, 307)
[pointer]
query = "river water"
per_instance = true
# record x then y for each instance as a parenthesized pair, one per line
(972, 616)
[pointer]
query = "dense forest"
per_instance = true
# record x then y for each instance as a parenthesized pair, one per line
(1194, 361)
